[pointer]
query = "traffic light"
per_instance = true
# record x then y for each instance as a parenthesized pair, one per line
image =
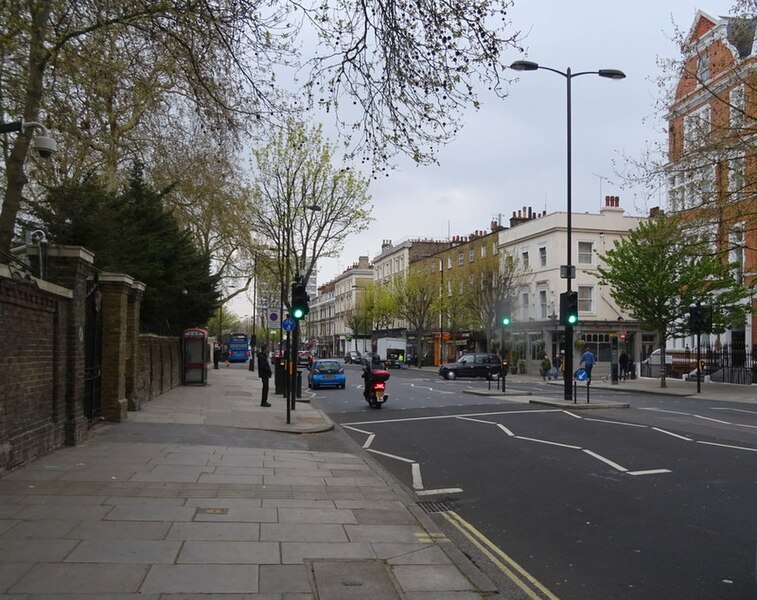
(300, 299)
(696, 317)
(504, 312)
(569, 308)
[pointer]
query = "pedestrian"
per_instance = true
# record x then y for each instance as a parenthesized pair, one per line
(545, 368)
(623, 364)
(555, 374)
(588, 360)
(264, 372)
(216, 355)
(227, 355)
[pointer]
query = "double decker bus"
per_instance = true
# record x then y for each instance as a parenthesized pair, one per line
(239, 347)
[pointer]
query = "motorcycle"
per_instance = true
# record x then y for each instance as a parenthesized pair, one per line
(377, 388)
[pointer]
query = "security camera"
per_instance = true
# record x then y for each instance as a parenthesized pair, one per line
(42, 141)
(45, 145)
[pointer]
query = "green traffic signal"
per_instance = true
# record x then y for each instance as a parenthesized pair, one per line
(298, 313)
(505, 321)
(572, 319)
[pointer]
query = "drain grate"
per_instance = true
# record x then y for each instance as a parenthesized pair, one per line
(435, 507)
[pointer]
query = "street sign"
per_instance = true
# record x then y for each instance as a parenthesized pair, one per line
(288, 324)
(273, 316)
(567, 271)
(582, 375)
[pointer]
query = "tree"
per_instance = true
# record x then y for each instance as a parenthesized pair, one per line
(491, 279)
(223, 322)
(452, 304)
(415, 294)
(133, 233)
(661, 269)
(381, 305)
(301, 204)
(404, 72)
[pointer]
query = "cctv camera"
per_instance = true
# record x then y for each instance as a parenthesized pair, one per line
(45, 145)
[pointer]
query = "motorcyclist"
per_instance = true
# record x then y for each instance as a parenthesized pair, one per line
(375, 364)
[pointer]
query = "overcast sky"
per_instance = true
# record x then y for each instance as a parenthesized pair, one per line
(512, 152)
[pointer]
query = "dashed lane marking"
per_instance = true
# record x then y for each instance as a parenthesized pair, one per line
(728, 446)
(675, 435)
(528, 439)
(394, 456)
(711, 419)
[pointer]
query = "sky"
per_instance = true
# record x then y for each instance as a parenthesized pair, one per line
(512, 152)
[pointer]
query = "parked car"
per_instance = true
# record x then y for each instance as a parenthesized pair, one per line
(476, 364)
(326, 372)
(367, 358)
(304, 358)
(352, 356)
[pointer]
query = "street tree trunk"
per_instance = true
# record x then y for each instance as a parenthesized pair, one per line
(663, 364)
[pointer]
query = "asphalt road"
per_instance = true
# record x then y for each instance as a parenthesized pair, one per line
(655, 501)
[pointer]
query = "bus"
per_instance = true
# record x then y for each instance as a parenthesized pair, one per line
(239, 347)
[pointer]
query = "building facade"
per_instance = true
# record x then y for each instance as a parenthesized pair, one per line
(539, 241)
(712, 161)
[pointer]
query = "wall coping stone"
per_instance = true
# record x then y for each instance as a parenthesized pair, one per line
(116, 278)
(56, 290)
(63, 252)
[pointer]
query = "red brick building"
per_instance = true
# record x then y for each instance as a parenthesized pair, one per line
(712, 161)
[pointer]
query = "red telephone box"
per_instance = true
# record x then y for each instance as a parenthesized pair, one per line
(194, 346)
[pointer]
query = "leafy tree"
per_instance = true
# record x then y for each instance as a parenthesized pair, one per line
(301, 204)
(490, 279)
(661, 269)
(223, 321)
(452, 304)
(132, 232)
(131, 68)
(415, 294)
(381, 305)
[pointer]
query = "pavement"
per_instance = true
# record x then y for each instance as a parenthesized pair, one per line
(145, 517)
(156, 518)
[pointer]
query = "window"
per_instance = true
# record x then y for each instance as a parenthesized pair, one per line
(461, 259)
(585, 253)
(737, 107)
(449, 262)
(586, 298)
(460, 288)
(736, 251)
(703, 68)
(542, 256)
(736, 176)
(524, 258)
(449, 287)
(524, 306)
(483, 251)
(543, 304)
(696, 127)
(471, 255)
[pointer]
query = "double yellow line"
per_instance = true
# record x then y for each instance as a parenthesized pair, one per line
(517, 574)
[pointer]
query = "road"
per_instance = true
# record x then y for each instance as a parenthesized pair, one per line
(654, 501)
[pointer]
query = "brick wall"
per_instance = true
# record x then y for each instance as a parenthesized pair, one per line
(158, 366)
(33, 354)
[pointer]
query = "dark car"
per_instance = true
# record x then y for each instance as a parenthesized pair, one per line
(326, 372)
(304, 358)
(367, 358)
(353, 356)
(475, 364)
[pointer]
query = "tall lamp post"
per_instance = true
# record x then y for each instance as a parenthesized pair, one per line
(568, 270)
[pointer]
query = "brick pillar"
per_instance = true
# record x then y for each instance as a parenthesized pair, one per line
(70, 266)
(132, 344)
(115, 306)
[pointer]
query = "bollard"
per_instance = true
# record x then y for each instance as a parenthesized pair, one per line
(299, 384)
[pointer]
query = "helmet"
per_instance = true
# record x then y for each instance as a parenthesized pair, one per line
(375, 359)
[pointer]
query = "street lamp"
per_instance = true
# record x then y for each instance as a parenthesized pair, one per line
(568, 272)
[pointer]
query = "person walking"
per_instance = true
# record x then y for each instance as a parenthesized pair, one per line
(545, 369)
(216, 356)
(588, 360)
(623, 364)
(264, 372)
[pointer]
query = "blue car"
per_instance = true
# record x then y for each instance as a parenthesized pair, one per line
(325, 372)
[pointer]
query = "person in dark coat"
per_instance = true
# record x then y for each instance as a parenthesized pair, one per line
(264, 372)
(623, 364)
(216, 355)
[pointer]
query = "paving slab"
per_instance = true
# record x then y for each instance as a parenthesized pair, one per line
(201, 579)
(229, 552)
(353, 580)
(73, 578)
(31, 550)
(119, 530)
(43, 529)
(296, 552)
(138, 512)
(244, 532)
(316, 515)
(302, 532)
(383, 533)
(284, 579)
(11, 572)
(398, 516)
(136, 552)
(431, 578)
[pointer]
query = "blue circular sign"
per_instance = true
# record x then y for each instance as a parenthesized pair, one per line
(274, 316)
(288, 324)
(582, 375)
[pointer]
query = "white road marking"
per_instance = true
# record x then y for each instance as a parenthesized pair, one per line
(729, 446)
(672, 412)
(436, 417)
(749, 412)
(477, 420)
(506, 430)
(615, 422)
(395, 457)
(649, 472)
(675, 435)
(440, 491)
(572, 414)
(528, 439)
(369, 441)
(711, 419)
(745, 425)
(417, 479)
(607, 461)
(358, 430)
